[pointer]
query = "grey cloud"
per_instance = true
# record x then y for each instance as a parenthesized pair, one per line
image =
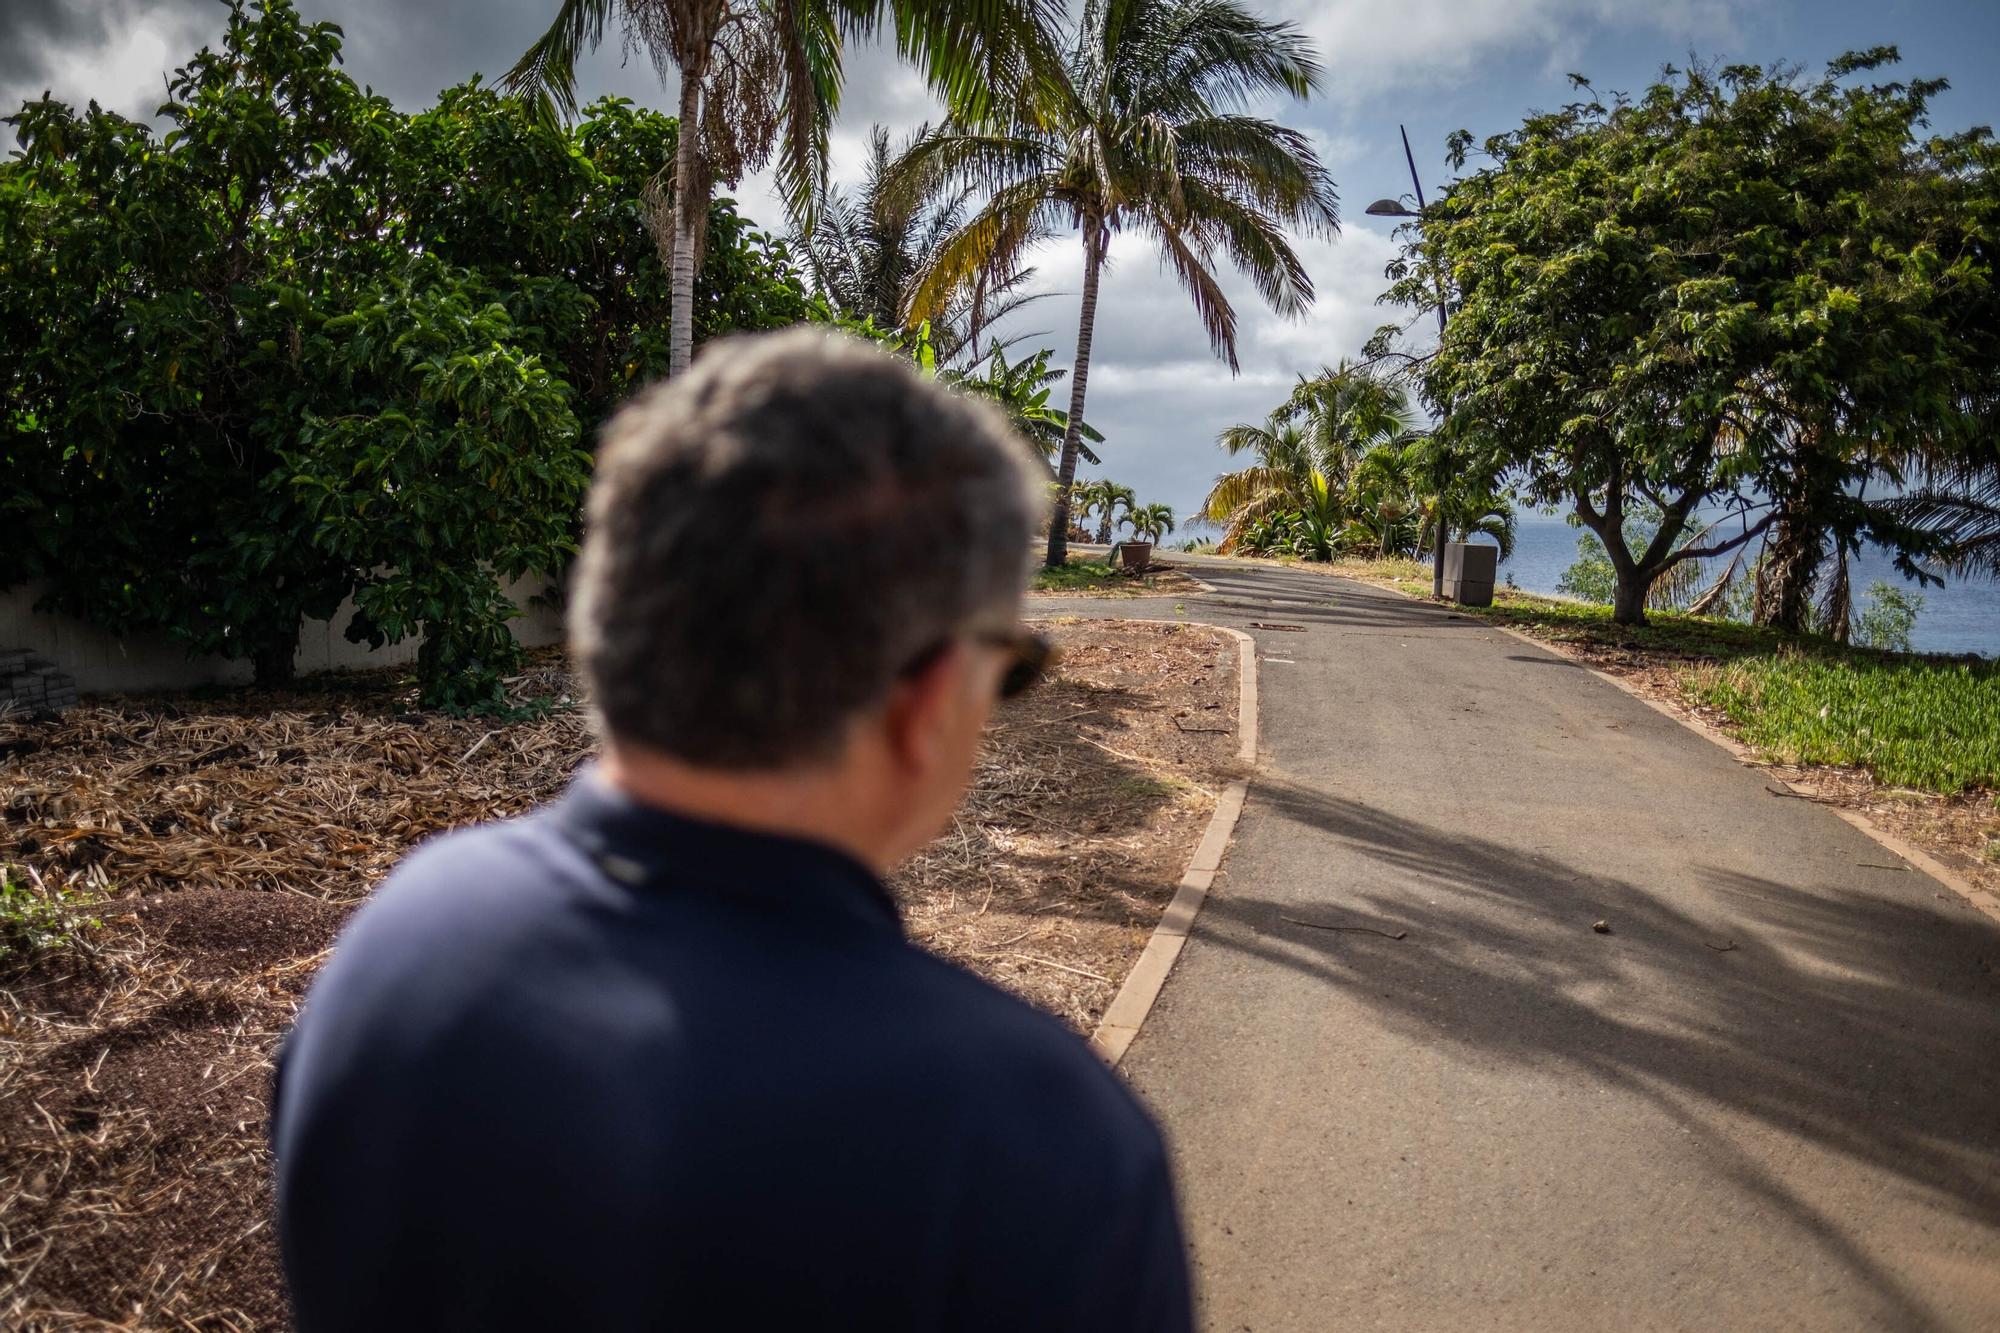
(33, 31)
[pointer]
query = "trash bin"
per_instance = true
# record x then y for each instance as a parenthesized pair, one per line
(1468, 572)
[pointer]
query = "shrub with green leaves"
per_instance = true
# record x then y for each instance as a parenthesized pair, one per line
(1591, 578)
(456, 466)
(1888, 619)
(35, 919)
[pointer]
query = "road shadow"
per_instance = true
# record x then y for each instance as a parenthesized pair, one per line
(1864, 1022)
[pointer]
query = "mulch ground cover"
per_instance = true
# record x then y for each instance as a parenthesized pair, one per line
(221, 843)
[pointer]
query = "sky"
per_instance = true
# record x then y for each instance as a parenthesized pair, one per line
(1156, 391)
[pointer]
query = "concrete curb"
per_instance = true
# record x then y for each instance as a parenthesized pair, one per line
(1974, 896)
(1135, 999)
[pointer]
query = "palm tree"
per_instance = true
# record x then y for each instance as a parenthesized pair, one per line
(1151, 522)
(762, 74)
(865, 249)
(1114, 498)
(1143, 129)
(1307, 453)
(1385, 491)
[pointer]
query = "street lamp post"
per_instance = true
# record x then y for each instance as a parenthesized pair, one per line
(1393, 208)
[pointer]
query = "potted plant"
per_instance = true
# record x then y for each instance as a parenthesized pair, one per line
(1149, 524)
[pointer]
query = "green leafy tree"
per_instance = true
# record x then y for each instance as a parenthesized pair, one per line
(1742, 286)
(554, 219)
(1142, 128)
(302, 347)
(452, 466)
(153, 335)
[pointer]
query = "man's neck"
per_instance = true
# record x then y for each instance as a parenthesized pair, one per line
(814, 803)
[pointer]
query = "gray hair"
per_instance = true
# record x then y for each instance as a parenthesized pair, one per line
(775, 535)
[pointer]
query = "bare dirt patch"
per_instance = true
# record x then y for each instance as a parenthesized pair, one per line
(226, 841)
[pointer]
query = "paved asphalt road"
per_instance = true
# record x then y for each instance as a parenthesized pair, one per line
(1769, 1098)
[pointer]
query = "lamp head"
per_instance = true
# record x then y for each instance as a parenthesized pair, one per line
(1389, 208)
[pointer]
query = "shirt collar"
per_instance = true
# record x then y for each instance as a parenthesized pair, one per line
(649, 848)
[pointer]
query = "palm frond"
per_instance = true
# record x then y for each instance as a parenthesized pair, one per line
(547, 72)
(1211, 303)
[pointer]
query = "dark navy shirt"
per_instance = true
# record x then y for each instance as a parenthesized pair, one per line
(605, 1068)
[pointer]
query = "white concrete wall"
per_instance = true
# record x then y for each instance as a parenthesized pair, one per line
(106, 663)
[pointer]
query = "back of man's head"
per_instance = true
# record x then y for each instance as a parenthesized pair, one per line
(775, 535)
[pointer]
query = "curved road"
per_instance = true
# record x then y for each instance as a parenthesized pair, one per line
(1768, 1098)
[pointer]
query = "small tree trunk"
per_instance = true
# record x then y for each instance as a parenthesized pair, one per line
(1093, 253)
(274, 661)
(680, 321)
(1628, 598)
(1837, 607)
(1793, 571)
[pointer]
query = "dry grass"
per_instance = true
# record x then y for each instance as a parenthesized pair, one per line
(227, 840)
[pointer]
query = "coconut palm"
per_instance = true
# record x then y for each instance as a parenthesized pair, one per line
(1385, 494)
(759, 75)
(1143, 129)
(1150, 522)
(1959, 506)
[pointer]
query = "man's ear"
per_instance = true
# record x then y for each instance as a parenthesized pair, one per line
(916, 720)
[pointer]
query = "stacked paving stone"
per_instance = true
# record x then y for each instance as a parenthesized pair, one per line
(31, 683)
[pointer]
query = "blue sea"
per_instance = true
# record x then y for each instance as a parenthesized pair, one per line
(1961, 617)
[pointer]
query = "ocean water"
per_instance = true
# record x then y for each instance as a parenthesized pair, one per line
(1961, 617)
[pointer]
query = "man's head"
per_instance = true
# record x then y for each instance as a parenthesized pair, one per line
(800, 558)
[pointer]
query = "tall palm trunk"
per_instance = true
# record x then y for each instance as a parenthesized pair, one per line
(1093, 256)
(680, 320)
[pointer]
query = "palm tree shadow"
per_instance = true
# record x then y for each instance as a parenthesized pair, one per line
(1865, 1025)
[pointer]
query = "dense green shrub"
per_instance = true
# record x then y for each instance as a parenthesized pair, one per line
(301, 346)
